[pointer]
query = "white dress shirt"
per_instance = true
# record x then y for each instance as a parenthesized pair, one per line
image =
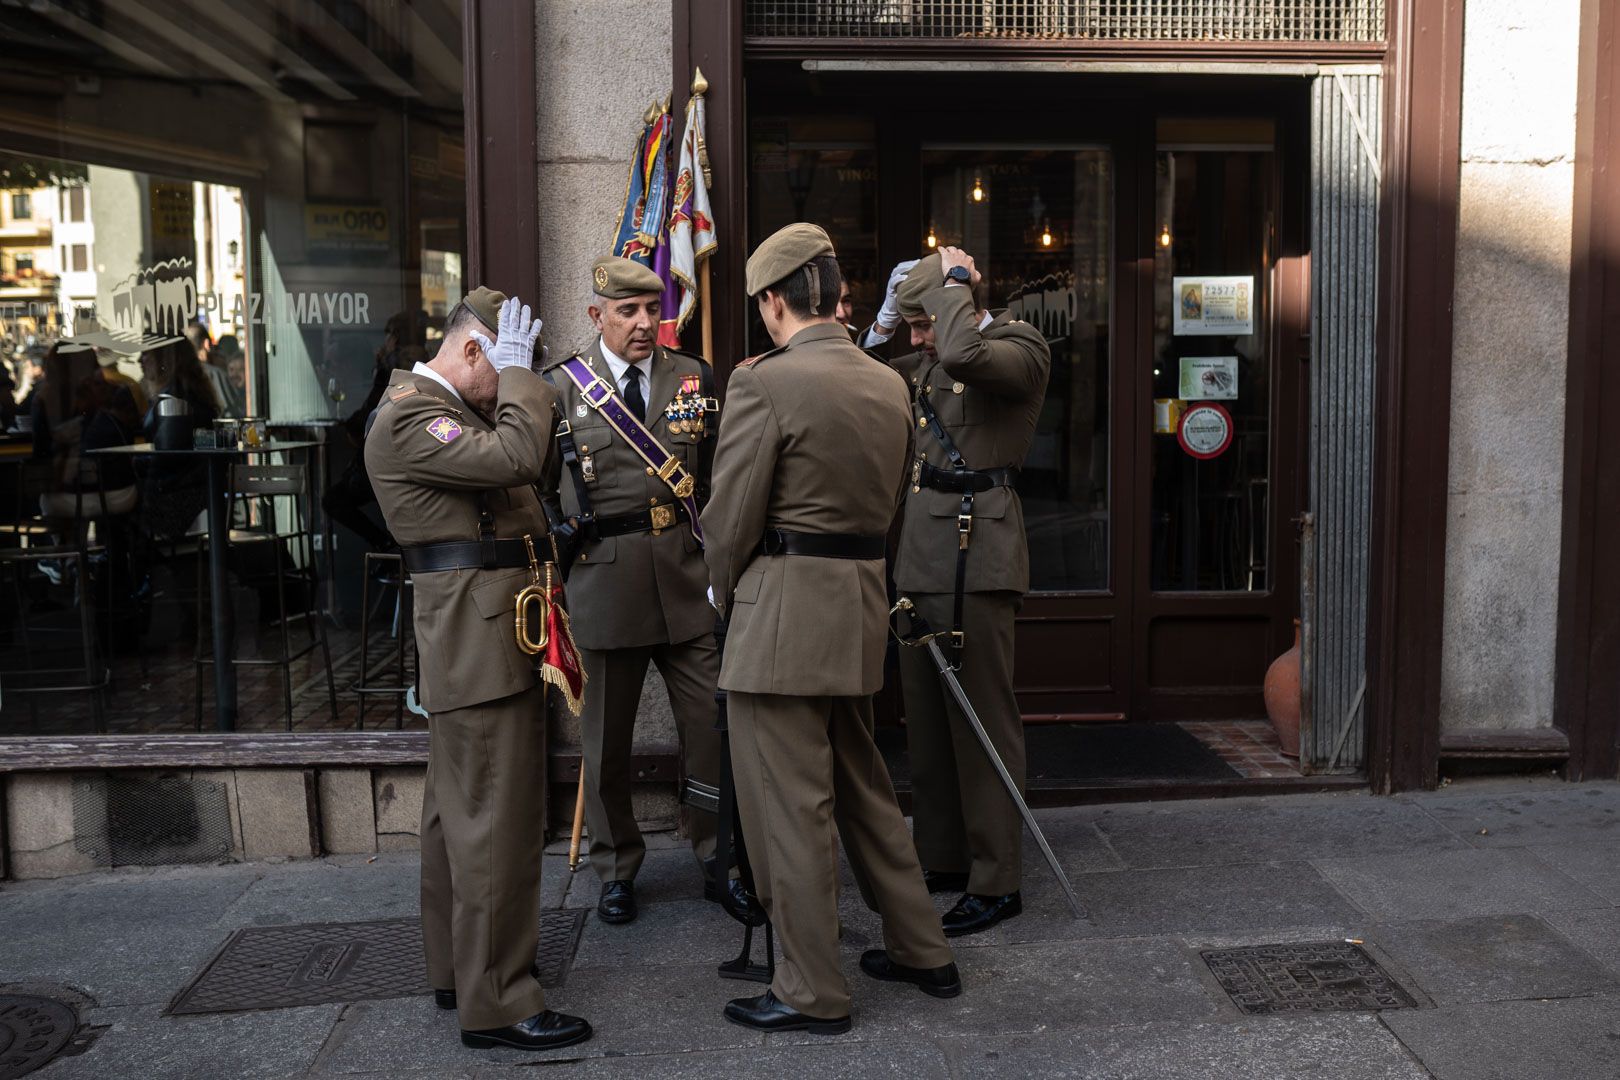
(422, 369)
(621, 368)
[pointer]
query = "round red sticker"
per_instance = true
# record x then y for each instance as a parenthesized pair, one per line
(1205, 430)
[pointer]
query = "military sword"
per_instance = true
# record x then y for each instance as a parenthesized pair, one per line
(921, 636)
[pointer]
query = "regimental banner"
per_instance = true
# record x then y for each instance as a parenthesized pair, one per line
(1214, 306)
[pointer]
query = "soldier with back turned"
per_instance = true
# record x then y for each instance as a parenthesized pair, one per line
(810, 467)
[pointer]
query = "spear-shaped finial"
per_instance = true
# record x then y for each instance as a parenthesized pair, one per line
(700, 85)
(651, 114)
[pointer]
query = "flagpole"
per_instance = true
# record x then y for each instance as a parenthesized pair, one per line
(708, 316)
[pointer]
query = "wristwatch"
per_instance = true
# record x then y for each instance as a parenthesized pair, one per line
(959, 274)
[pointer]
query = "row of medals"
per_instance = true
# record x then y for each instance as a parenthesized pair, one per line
(685, 415)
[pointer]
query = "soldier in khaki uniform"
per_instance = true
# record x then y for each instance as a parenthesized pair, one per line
(454, 453)
(810, 468)
(636, 591)
(984, 376)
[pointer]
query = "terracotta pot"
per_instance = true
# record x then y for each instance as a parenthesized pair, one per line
(1282, 697)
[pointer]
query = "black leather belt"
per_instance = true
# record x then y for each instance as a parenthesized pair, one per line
(821, 545)
(465, 555)
(658, 517)
(965, 480)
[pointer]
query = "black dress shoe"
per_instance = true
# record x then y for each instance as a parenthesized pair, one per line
(945, 881)
(446, 999)
(941, 982)
(547, 1031)
(739, 892)
(618, 902)
(975, 913)
(765, 1013)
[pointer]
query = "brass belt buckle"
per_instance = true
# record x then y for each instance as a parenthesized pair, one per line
(663, 517)
(964, 529)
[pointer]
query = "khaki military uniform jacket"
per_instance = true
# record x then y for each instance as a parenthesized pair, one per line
(429, 489)
(640, 588)
(816, 438)
(987, 387)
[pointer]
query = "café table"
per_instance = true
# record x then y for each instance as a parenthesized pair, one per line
(219, 525)
(319, 431)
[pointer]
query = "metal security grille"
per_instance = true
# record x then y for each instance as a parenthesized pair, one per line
(137, 819)
(1346, 21)
(1345, 137)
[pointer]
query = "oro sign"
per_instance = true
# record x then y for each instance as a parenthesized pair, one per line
(1205, 431)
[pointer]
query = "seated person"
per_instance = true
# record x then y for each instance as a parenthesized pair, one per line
(175, 488)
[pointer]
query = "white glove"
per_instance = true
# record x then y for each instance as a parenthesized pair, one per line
(516, 334)
(888, 316)
(711, 599)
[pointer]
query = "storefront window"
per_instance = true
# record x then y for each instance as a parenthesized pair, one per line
(1037, 221)
(283, 183)
(1211, 357)
(821, 169)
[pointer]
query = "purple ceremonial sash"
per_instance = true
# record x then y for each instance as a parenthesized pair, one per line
(600, 395)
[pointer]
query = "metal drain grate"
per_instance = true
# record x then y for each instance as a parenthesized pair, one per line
(33, 1031)
(279, 967)
(1332, 976)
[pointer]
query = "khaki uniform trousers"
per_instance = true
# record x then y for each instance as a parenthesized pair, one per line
(962, 816)
(804, 765)
(607, 730)
(481, 848)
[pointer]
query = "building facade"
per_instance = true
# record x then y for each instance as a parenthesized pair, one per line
(1326, 282)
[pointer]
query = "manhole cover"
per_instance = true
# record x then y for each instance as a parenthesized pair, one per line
(33, 1030)
(1332, 976)
(279, 967)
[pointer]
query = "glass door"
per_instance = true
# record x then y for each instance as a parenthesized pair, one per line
(1219, 384)
(1039, 221)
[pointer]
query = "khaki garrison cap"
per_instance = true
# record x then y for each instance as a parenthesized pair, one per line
(486, 304)
(919, 281)
(614, 278)
(783, 252)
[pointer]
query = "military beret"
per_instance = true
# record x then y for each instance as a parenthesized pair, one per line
(919, 281)
(614, 278)
(486, 304)
(783, 252)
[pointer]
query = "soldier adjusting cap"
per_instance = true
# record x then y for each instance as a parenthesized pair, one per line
(919, 281)
(615, 278)
(486, 304)
(783, 252)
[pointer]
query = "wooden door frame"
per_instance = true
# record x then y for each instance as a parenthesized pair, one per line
(502, 132)
(1422, 169)
(1417, 253)
(1288, 324)
(1586, 697)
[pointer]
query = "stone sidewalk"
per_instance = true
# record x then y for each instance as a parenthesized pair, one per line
(1496, 904)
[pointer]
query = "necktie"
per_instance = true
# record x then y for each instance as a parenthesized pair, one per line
(632, 393)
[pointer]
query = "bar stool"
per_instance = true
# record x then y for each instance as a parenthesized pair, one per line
(93, 674)
(258, 488)
(398, 579)
(27, 526)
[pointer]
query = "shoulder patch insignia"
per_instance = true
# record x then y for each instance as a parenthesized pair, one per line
(444, 429)
(401, 392)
